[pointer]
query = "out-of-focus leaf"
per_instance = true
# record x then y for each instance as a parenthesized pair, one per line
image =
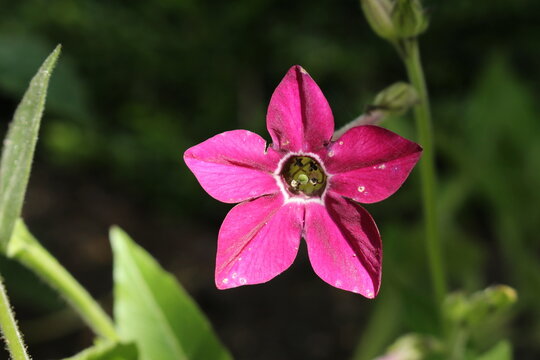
(501, 351)
(496, 148)
(108, 351)
(19, 148)
(381, 328)
(19, 57)
(154, 311)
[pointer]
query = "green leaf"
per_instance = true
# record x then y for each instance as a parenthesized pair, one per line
(108, 351)
(501, 351)
(153, 310)
(19, 148)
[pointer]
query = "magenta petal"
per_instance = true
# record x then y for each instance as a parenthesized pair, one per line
(234, 166)
(344, 245)
(257, 241)
(369, 163)
(299, 117)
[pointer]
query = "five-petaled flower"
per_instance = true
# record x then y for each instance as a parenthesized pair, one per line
(303, 185)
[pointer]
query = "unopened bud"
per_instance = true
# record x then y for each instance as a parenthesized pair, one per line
(498, 297)
(396, 99)
(481, 305)
(413, 347)
(408, 18)
(379, 16)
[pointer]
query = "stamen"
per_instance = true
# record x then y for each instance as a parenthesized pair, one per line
(304, 175)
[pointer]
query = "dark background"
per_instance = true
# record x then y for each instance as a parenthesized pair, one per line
(139, 82)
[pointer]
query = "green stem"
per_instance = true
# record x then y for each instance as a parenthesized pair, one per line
(26, 249)
(411, 57)
(8, 325)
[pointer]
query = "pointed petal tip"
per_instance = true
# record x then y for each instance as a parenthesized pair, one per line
(297, 67)
(299, 117)
(230, 281)
(369, 291)
(224, 284)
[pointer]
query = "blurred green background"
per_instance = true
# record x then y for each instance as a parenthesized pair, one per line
(139, 82)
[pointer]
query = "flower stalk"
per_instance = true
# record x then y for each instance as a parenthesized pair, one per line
(27, 250)
(9, 329)
(422, 114)
(404, 21)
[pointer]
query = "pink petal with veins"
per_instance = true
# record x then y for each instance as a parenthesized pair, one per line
(258, 240)
(234, 166)
(369, 163)
(299, 117)
(344, 245)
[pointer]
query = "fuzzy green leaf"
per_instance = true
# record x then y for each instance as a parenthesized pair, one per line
(19, 148)
(153, 310)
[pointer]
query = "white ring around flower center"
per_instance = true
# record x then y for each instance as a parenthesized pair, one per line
(289, 198)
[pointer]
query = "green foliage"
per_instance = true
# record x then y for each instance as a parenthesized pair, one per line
(19, 146)
(494, 148)
(154, 311)
(501, 351)
(156, 77)
(108, 351)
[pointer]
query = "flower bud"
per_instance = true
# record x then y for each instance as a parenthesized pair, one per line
(478, 307)
(396, 99)
(413, 347)
(379, 16)
(408, 18)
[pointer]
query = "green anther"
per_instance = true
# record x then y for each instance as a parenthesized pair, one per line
(304, 175)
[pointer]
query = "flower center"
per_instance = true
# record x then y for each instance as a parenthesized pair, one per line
(303, 174)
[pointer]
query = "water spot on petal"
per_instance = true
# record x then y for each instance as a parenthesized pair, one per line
(353, 255)
(240, 258)
(381, 167)
(361, 188)
(234, 275)
(330, 153)
(242, 281)
(225, 281)
(286, 142)
(341, 143)
(356, 289)
(369, 293)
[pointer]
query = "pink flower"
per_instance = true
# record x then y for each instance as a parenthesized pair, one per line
(302, 185)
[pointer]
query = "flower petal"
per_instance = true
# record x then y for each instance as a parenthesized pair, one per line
(299, 117)
(369, 163)
(344, 245)
(257, 241)
(234, 166)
